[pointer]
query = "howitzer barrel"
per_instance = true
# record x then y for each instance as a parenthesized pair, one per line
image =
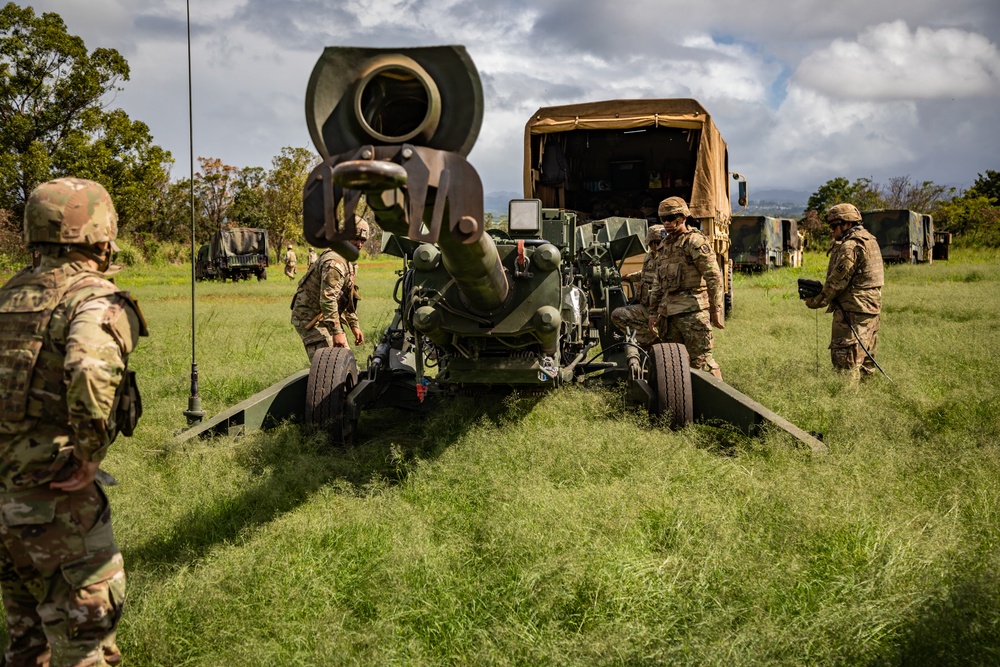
(395, 126)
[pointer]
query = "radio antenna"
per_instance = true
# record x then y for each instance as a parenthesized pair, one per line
(194, 413)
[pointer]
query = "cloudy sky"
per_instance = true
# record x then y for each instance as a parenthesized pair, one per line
(802, 90)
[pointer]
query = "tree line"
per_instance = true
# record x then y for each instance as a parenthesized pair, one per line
(55, 121)
(973, 215)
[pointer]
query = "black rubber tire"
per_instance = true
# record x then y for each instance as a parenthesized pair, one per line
(332, 376)
(670, 379)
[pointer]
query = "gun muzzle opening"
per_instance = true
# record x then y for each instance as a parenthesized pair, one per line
(397, 101)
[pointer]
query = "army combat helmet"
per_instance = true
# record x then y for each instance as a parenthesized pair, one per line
(70, 211)
(654, 233)
(843, 213)
(672, 206)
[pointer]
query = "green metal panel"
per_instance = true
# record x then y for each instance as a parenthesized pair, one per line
(282, 401)
(716, 402)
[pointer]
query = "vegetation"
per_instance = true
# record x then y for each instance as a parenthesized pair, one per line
(565, 529)
(973, 215)
(53, 121)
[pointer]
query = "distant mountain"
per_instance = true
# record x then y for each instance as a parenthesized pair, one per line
(497, 202)
(789, 196)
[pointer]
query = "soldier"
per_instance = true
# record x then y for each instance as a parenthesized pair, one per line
(326, 300)
(290, 261)
(852, 292)
(686, 298)
(310, 259)
(636, 315)
(66, 333)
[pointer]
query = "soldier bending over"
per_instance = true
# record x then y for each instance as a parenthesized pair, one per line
(326, 300)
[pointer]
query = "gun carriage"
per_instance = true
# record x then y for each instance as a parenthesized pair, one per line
(528, 308)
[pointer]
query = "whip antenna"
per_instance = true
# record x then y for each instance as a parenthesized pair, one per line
(194, 413)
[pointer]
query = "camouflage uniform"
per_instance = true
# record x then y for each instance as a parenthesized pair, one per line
(636, 315)
(853, 293)
(290, 261)
(688, 287)
(327, 287)
(65, 336)
(311, 258)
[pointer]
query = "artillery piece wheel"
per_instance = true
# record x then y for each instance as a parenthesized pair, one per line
(332, 376)
(670, 378)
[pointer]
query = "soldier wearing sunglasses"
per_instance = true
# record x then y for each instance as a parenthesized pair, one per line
(686, 300)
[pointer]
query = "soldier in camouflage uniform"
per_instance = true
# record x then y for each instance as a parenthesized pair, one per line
(311, 258)
(636, 315)
(686, 299)
(852, 292)
(65, 393)
(290, 261)
(326, 300)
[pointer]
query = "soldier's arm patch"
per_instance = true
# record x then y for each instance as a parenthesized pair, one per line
(705, 249)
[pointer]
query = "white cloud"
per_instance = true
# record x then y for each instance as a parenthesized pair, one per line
(891, 62)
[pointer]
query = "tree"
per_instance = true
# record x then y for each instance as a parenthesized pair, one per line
(987, 186)
(971, 217)
(862, 193)
(901, 193)
(121, 155)
(283, 192)
(52, 119)
(249, 208)
(215, 187)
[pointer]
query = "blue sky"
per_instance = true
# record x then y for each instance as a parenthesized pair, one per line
(802, 91)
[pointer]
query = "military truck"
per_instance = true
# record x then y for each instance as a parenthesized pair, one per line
(757, 242)
(620, 158)
(903, 236)
(204, 267)
(236, 253)
(793, 242)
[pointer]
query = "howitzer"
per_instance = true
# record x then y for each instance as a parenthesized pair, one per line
(528, 307)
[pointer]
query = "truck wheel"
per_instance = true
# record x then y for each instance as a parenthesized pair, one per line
(670, 378)
(262, 275)
(332, 376)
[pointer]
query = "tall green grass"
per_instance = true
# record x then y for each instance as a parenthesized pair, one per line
(566, 529)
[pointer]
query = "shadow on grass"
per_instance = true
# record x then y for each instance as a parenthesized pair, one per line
(963, 628)
(291, 463)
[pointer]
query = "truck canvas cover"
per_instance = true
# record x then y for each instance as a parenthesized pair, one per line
(239, 241)
(644, 150)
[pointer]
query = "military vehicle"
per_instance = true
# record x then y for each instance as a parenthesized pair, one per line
(527, 308)
(204, 267)
(620, 158)
(757, 242)
(903, 236)
(942, 244)
(234, 253)
(792, 243)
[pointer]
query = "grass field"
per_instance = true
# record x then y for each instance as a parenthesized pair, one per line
(566, 529)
